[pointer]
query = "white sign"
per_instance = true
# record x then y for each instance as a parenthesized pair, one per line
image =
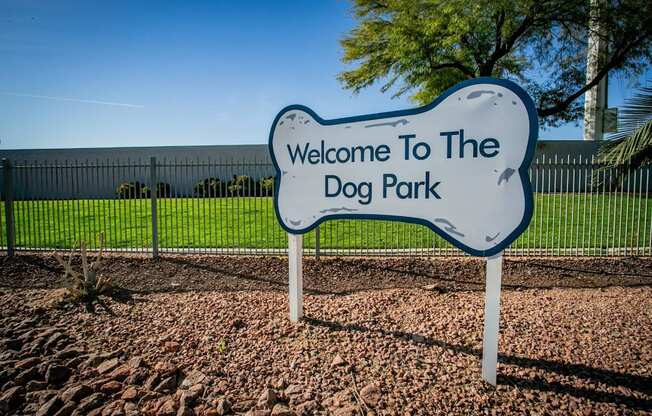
(458, 165)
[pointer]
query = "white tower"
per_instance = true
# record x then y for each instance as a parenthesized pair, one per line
(595, 99)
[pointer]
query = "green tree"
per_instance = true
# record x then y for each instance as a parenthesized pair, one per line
(426, 46)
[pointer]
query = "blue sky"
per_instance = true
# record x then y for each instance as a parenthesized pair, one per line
(146, 73)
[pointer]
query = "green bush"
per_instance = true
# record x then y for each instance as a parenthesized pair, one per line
(163, 190)
(131, 190)
(241, 185)
(209, 188)
(266, 186)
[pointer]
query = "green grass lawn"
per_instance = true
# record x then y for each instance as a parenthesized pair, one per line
(560, 221)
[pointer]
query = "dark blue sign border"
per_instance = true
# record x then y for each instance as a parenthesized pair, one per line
(522, 170)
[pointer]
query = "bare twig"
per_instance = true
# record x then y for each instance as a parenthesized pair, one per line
(358, 398)
(82, 247)
(67, 266)
(98, 260)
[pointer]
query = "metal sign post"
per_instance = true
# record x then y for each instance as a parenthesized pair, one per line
(295, 268)
(491, 318)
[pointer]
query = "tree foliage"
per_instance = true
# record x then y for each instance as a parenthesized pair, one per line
(423, 47)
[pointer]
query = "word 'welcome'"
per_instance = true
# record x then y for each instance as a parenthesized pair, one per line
(456, 145)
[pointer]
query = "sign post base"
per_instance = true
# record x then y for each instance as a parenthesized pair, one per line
(295, 267)
(491, 318)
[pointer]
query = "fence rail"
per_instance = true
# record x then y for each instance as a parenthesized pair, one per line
(225, 207)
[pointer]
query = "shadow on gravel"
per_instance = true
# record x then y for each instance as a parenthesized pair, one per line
(633, 403)
(597, 273)
(639, 383)
(173, 273)
(275, 284)
(521, 274)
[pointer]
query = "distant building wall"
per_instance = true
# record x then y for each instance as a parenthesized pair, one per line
(180, 166)
(183, 166)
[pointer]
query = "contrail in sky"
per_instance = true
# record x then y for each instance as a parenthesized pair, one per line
(77, 100)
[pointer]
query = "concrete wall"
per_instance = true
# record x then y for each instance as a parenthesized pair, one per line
(61, 173)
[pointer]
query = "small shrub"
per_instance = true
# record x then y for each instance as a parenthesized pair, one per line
(266, 186)
(131, 190)
(163, 190)
(86, 287)
(241, 185)
(209, 188)
(221, 346)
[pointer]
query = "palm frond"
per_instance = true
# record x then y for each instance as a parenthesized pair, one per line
(631, 147)
(634, 150)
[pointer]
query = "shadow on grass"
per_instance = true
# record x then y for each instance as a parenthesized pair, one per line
(642, 384)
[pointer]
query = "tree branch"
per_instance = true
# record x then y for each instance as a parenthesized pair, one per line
(500, 22)
(502, 48)
(457, 65)
(613, 62)
(464, 39)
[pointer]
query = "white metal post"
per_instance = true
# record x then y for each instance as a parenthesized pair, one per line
(491, 318)
(295, 267)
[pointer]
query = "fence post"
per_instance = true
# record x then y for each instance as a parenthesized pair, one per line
(317, 243)
(9, 206)
(153, 190)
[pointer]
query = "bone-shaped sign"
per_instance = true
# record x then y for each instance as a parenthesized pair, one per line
(458, 165)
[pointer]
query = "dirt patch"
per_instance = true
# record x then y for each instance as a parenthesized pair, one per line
(202, 335)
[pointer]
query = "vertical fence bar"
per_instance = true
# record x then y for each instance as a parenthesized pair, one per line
(317, 244)
(620, 214)
(578, 194)
(560, 167)
(153, 191)
(542, 196)
(175, 219)
(556, 194)
(21, 193)
(549, 199)
(603, 200)
(585, 170)
(628, 195)
(2, 216)
(9, 206)
(590, 176)
(24, 235)
(647, 187)
(537, 197)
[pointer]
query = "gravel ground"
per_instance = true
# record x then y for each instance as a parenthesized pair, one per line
(210, 336)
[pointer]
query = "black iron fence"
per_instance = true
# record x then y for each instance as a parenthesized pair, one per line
(208, 206)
